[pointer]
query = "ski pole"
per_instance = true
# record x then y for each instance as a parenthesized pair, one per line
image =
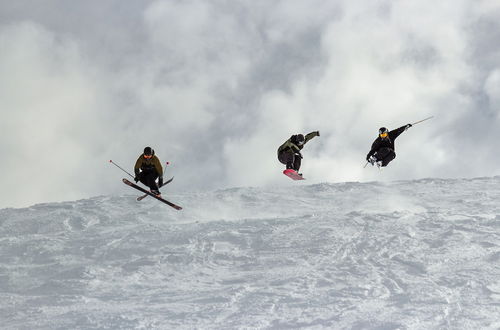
(121, 168)
(422, 120)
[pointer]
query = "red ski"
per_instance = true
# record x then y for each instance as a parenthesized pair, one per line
(133, 185)
(292, 174)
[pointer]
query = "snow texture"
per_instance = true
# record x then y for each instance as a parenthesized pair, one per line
(402, 255)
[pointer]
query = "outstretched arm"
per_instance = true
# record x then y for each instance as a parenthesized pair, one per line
(310, 136)
(395, 133)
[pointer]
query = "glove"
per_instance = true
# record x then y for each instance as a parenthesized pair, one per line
(408, 126)
(299, 154)
(160, 181)
(317, 133)
(136, 179)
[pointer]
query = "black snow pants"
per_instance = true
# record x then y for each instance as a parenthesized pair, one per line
(386, 155)
(149, 179)
(290, 159)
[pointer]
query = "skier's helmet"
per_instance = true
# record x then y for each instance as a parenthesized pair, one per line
(148, 152)
(300, 139)
(383, 132)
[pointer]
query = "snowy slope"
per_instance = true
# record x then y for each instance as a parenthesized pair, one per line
(404, 255)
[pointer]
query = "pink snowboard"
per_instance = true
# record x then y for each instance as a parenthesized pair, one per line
(292, 174)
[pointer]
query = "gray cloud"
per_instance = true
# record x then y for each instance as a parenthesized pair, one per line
(215, 87)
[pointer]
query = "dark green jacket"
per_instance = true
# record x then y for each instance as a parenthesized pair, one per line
(291, 144)
(147, 165)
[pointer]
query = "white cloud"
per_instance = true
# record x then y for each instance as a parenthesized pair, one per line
(492, 88)
(47, 100)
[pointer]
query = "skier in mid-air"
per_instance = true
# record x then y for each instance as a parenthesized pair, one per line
(289, 152)
(382, 151)
(147, 169)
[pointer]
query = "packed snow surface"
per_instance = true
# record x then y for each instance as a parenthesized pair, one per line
(402, 255)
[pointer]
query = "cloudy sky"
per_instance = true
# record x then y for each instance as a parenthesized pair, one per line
(216, 86)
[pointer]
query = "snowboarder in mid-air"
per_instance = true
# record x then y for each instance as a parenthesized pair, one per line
(147, 169)
(289, 152)
(382, 151)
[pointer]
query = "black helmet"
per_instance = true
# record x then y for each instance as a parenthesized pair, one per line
(383, 133)
(297, 139)
(148, 151)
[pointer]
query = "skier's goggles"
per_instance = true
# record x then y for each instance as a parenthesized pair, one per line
(148, 156)
(384, 135)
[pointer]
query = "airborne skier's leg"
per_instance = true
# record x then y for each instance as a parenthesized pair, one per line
(296, 162)
(149, 179)
(388, 158)
(287, 158)
(385, 155)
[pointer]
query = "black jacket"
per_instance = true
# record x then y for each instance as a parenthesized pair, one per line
(380, 143)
